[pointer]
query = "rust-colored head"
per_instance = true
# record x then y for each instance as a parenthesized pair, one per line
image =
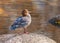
(25, 12)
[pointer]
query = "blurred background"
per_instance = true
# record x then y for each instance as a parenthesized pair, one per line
(41, 11)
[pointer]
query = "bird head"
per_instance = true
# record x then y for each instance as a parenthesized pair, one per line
(25, 12)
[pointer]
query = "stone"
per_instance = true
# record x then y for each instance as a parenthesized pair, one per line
(25, 38)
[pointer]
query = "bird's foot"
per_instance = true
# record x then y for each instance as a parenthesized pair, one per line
(26, 32)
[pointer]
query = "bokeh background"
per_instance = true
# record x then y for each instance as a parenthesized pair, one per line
(41, 11)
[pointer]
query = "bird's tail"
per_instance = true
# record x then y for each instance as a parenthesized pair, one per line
(11, 28)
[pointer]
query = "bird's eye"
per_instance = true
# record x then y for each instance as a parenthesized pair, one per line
(55, 22)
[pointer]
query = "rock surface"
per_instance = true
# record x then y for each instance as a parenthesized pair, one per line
(25, 38)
